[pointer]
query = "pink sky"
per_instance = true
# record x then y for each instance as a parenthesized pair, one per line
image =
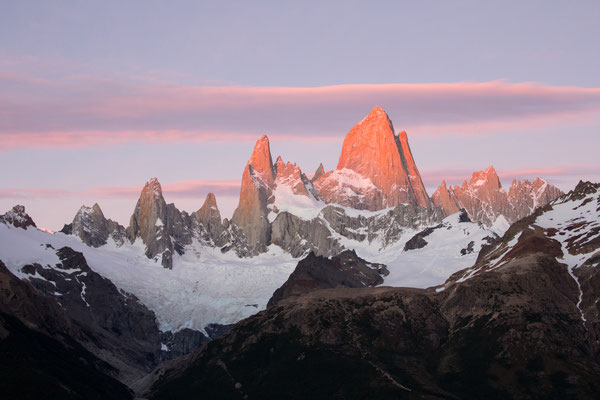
(75, 141)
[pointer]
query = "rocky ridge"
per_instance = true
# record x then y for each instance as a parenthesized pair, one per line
(485, 200)
(523, 322)
(17, 217)
(313, 272)
(375, 194)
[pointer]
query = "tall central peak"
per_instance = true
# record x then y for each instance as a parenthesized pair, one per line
(377, 165)
(261, 161)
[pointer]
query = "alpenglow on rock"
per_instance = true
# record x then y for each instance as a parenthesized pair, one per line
(376, 169)
(485, 200)
(269, 188)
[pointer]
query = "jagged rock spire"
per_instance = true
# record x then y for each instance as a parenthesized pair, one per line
(377, 165)
(148, 223)
(318, 173)
(257, 187)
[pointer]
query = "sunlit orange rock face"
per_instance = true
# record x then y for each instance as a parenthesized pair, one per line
(484, 198)
(376, 168)
(259, 181)
(442, 198)
(290, 174)
(257, 186)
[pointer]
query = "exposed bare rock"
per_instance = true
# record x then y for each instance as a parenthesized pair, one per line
(209, 217)
(90, 225)
(523, 322)
(376, 169)
(442, 198)
(112, 324)
(257, 187)
(344, 270)
(318, 173)
(40, 355)
(485, 200)
(162, 227)
(17, 217)
(322, 234)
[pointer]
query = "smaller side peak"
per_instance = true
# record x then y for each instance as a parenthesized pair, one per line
(17, 217)
(443, 184)
(97, 209)
(318, 173)
(403, 136)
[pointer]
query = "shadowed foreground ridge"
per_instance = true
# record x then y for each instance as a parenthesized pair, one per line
(523, 322)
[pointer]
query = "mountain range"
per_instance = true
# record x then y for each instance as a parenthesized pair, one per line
(132, 299)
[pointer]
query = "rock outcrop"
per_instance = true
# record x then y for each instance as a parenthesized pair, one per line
(484, 198)
(523, 322)
(257, 187)
(209, 218)
(313, 272)
(40, 356)
(162, 228)
(17, 217)
(376, 169)
(269, 188)
(90, 225)
(113, 325)
(318, 173)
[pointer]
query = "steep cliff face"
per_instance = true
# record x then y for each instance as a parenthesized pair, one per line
(257, 187)
(266, 191)
(318, 173)
(485, 199)
(162, 228)
(209, 217)
(376, 168)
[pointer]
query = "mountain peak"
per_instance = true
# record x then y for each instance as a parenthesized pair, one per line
(318, 173)
(153, 185)
(377, 116)
(381, 164)
(487, 177)
(17, 217)
(261, 160)
(211, 200)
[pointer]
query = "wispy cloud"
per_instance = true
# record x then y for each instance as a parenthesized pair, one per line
(88, 110)
(181, 189)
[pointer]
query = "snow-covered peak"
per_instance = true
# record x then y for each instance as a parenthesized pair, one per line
(17, 217)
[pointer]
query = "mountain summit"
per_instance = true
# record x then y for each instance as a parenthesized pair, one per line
(485, 200)
(376, 168)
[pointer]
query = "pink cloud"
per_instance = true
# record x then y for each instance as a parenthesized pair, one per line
(89, 138)
(85, 111)
(182, 189)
